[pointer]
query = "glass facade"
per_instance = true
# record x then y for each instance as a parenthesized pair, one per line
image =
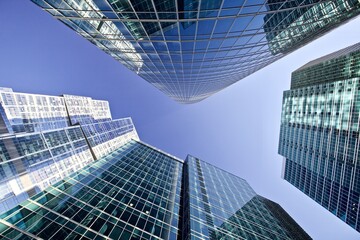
(105, 137)
(24, 112)
(93, 179)
(32, 112)
(319, 133)
(139, 192)
(193, 49)
(86, 110)
(133, 193)
(288, 30)
(31, 162)
(219, 205)
(38, 149)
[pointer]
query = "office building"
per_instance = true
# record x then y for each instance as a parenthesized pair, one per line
(45, 138)
(220, 205)
(319, 136)
(295, 23)
(129, 194)
(140, 192)
(21, 112)
(192, 49)
(25, 112)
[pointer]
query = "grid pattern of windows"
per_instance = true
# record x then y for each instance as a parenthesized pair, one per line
(32, 113)
(337, 66)
(332, 105)
(133, 193)
(38, 149)
(193, 49)
(319, 133)
(139, 192)
(24, 112)
(219, 205)
(105, 137)
(86, 110)
(31, 162)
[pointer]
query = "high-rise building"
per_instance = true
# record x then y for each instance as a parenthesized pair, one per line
(140, 192)
(86, 110)
(192, 49)
(21, 112)
(25, 112)
(219, 205)
(132, 193)
(319, 136)
(45, 138)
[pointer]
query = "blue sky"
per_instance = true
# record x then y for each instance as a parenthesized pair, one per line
(236, 129)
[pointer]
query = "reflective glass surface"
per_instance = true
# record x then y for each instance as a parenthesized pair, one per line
(219, 205)
(107, 136)
(25, 112)
(38, 149)
(193, 49)
(319, 133)
(133, 193)
(139, 192)
(31, 112)
(86, 110)
(31, 162)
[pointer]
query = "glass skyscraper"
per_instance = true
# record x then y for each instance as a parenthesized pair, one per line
(140, 192)
(193, 49)
(132, 193)
(219, 205)
(319, 136)
(25, 112)
(86, 176)
(45, 138)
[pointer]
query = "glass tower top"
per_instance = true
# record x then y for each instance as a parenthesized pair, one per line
(25, 112)
(319, 132)
(193, 49)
